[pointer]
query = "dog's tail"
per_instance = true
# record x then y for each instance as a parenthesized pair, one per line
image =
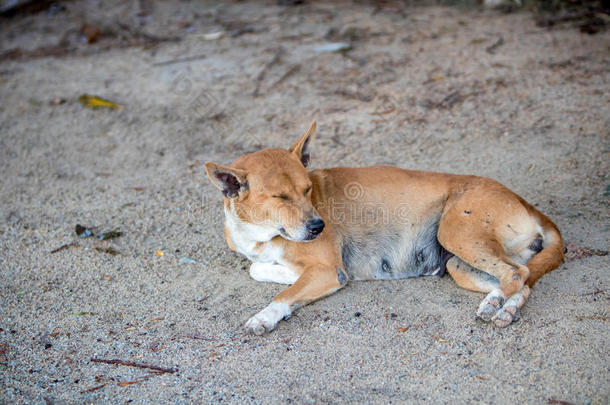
(551, 255)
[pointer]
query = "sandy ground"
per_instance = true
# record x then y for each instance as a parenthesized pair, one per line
(424, 89)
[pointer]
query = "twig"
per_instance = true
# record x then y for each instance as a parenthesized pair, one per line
(494, 47)
(450, 100)
(179, 60)
(93, 388)
(597, 291)
(293, 69)
(593, 318)
(131, 364)
(263, 72)
(197, 337)
(62, 247)
(550, 21)
(559, 402)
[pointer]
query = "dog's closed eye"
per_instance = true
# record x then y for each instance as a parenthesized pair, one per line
(282, 197)
(307, 190)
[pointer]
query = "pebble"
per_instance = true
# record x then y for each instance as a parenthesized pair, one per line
(333, 47)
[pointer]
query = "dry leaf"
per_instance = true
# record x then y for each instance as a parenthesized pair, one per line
(90, 101)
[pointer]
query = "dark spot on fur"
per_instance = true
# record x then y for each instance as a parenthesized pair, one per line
(341, 276)
(536, 245)
(466, 211)
(420, 258)
(385, 266)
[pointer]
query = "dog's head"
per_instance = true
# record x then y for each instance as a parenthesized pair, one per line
(270, 191)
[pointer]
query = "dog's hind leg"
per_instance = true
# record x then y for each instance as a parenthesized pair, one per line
(317, 281)
(474, 279)
(481, 250)
(470, 278)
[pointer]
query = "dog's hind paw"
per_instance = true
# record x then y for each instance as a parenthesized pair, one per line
(505, 316)
(490, 305)
(511, 311)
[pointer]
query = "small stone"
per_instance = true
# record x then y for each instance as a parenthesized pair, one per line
(333, 47)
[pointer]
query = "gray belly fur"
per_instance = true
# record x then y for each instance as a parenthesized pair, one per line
(388, 253)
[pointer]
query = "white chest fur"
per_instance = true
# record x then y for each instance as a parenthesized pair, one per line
(253, 241)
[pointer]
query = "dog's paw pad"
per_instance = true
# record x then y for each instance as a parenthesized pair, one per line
(506, 315)
(255, 326)
(489, 306)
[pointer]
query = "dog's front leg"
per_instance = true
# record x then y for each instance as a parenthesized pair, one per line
(316, 282)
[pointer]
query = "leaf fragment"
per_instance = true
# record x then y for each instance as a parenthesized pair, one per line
(93, 102)
(110, 235)
(83, 231)
(109, 250)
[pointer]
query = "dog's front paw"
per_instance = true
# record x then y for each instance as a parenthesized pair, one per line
(267, 319)
(490, 305)
(257, 326)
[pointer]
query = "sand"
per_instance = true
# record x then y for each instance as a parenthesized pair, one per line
(424, 90)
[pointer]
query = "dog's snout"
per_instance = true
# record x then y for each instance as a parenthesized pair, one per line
(315, 226)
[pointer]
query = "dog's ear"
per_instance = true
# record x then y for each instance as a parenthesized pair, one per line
(301, 147)
(227, 179)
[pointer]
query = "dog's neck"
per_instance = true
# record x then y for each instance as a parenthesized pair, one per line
(245, 232)
(249, 239)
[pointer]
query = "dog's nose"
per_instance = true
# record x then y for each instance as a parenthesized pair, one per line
(315, 226)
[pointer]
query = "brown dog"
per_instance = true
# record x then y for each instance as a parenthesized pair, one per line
(316, 230)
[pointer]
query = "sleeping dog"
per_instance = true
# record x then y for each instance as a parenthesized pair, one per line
(317, 230)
